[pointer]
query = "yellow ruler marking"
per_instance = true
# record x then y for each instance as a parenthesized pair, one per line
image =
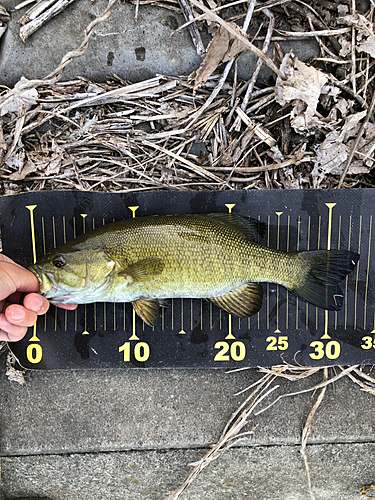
(133, 209)
(230, 206)
(308, 248)
(329, 238)
(134, 336)
(298, 243)
(44, 237)
(367, 273)
(124, 309)
(277, 286)
(172, 315)
(54, 232)
(83, 222)
(258, 314)
(182, 331)
(31, 209)
(357, 275)
(338, 248)
(191, 315)
(347, 278)
(210, 315)
(201, 314)
(230, 335)
(85, 306)
(287, 292)
(268, 285)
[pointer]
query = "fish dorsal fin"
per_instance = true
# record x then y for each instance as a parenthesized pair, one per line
(243, 302)
(143, 270)
(249, 228)
(148, 309)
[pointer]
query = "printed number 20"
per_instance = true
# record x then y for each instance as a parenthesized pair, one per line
(237, 351)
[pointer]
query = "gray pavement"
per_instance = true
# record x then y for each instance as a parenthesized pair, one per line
(133, 50)
(130, 434)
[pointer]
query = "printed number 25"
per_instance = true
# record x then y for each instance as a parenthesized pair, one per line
(277, 343)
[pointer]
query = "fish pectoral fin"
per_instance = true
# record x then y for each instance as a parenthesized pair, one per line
(148, 309)
(144, 270)
(243, 302)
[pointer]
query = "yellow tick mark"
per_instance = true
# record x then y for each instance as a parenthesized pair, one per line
(133, 209)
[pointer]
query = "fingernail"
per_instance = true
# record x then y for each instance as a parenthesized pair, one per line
(37, 304)
(18, 313)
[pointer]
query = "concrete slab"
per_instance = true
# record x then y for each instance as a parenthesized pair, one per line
(337, 471)
(133, 50)
(112, 410)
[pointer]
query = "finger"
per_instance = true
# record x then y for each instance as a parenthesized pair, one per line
(35, 302)
(10, 332)
(4, 258)
(15, 278)
(18, 315)
(68, 307)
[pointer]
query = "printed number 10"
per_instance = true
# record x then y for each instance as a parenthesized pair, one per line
(141, 351)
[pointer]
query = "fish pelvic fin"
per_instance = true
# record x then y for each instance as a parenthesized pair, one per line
(243, 302)
(143, 270)
(148, 309)
(326, 268)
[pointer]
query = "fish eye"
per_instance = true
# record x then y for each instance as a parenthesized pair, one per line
(59, 261)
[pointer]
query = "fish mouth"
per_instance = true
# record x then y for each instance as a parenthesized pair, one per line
(37, 272)
(46, 280)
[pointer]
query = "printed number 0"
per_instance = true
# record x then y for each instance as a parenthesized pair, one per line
(332, 349)
(34, 353)
(237, 351)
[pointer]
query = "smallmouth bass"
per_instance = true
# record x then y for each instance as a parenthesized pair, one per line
(146, 260)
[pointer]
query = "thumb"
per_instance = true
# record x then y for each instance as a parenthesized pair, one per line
(14, 278)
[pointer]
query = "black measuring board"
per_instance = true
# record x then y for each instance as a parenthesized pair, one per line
(194, 332)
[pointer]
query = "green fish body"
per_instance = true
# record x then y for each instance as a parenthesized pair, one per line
(145, 260)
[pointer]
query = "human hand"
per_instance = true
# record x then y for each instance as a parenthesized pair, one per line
(20, 305)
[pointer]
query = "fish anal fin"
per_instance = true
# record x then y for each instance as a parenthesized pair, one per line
(148, 309)
(143, 270)
(243, 302)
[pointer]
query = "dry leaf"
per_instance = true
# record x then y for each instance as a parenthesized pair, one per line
(28, 168)
(3, 29)
(334, 150)
(4, 14)
(21, 101)
(13, 374)
(365, 37)
(223, 47)
(303, 86)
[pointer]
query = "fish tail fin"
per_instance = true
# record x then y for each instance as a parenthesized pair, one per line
(325, 270)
